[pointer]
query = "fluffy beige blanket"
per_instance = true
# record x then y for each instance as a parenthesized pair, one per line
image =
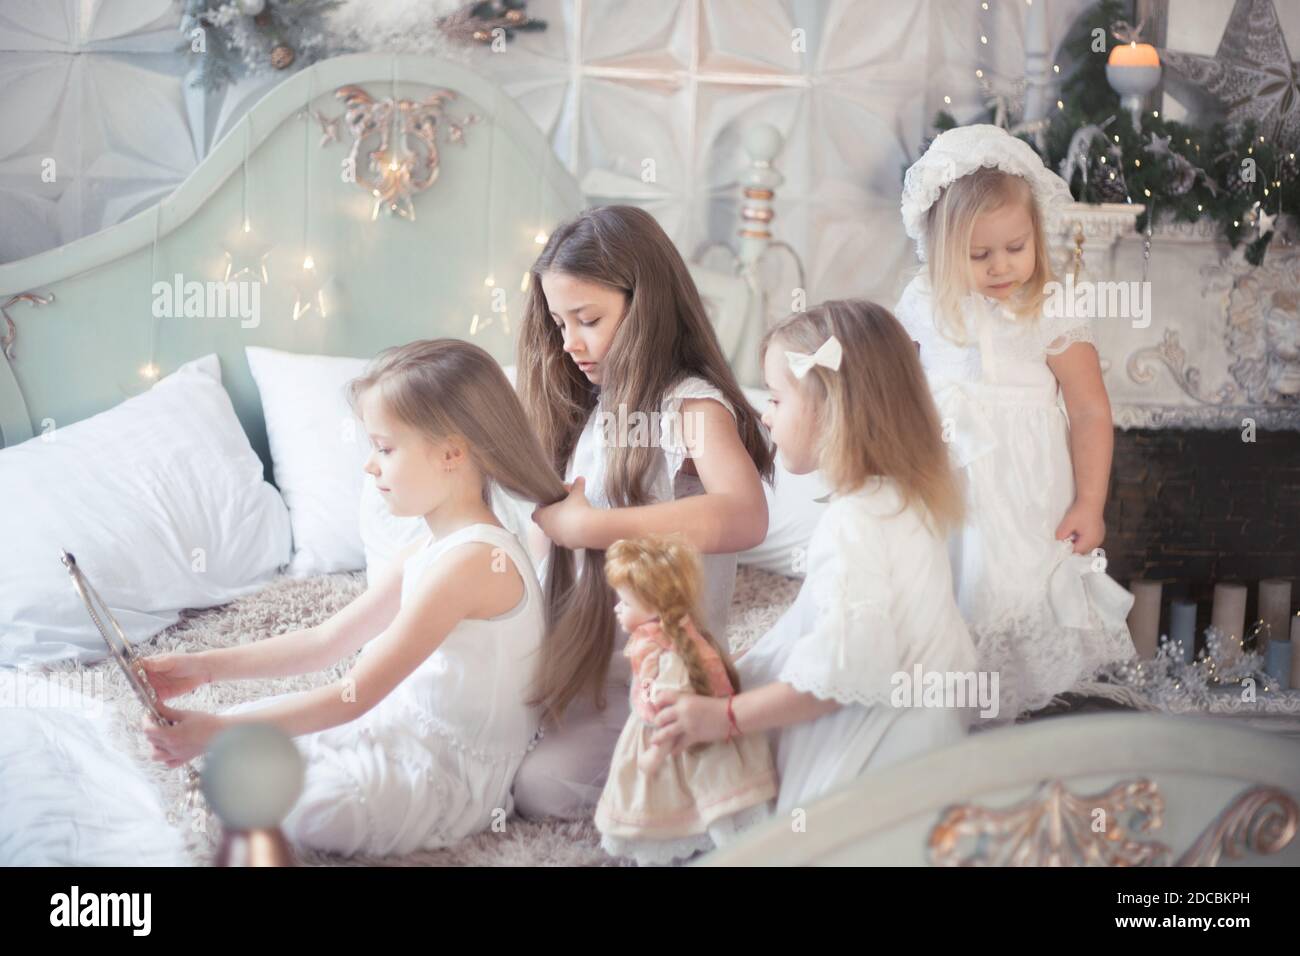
(287, 604)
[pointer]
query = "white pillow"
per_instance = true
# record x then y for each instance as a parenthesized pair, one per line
(792, 513)
(70, 796)
(318, 450)
(160, 499)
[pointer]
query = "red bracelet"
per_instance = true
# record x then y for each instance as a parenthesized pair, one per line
(731, 718)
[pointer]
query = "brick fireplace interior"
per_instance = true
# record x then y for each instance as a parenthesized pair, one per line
(1197, 507)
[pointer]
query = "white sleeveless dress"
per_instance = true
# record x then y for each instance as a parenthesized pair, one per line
(566, 773)
(1041, 616)
(434, 761)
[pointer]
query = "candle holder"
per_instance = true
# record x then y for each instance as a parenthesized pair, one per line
(1132, 70)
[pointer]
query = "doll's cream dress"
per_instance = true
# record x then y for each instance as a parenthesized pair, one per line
(693, 801)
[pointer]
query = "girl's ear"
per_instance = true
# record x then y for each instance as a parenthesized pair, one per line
(452, 452)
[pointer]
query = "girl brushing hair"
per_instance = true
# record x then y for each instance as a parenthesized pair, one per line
(632, 398)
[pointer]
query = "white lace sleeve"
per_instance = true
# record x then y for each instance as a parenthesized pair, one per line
(941, 358)
(1058, 333)
(676, 430)
(851, 652)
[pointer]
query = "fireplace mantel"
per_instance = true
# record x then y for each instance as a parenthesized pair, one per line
(1222, 349)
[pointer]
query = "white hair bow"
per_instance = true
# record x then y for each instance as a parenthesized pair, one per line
(828, 356)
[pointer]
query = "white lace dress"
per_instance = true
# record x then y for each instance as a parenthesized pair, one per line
(876, 602)
(1041, 616)
(566, 773)
(434, 761)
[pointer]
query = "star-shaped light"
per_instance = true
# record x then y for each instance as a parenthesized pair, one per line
(310, 291)
(478, 324)
(246, 255)
(1251, 75)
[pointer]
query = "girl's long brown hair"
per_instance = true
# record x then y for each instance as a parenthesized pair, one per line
(663, 571)
(875, 412)
(445, 387)
(664, 336)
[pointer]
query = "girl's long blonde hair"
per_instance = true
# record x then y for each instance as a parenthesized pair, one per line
(664, 336)
(446, 387)
(663, 571)
(875, 413)
(950, 221)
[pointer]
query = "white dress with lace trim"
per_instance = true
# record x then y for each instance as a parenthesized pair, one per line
(876, 602)
(1008, 434)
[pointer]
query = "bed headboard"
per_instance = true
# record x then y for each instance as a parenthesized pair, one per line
(396, 279)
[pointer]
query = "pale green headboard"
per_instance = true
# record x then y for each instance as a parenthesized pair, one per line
(398, 280)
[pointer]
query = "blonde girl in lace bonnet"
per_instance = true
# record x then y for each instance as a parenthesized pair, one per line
(967, 173)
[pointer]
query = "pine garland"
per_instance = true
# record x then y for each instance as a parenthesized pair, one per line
(238, 45)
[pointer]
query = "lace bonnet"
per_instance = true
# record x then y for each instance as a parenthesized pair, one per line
(964, 149)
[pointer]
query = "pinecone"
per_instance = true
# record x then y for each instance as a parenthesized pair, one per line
(282, 56)
(1238, 187)
(1108, 183)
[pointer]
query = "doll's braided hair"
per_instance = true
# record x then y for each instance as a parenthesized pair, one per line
(664, 572)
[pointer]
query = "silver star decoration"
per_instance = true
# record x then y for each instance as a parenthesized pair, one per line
(1250, 77)
(246, 256)
(1264, 222)
(1158, 145)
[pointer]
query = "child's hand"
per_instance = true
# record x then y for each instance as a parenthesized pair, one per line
(565, 522)
(685, 719)
(185, 739)
(171, 675)
(1083, 522)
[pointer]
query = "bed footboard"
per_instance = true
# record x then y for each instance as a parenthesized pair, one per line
(1080, 790)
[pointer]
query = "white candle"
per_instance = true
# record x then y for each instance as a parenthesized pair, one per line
(1229, 616)
(1275, 607)
(1144, 618)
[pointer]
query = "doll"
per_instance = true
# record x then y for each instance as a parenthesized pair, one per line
(658, 806)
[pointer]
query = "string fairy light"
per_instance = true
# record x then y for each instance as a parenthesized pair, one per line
(477, 322)
(247, 254)
(309, 289)
(149, 371)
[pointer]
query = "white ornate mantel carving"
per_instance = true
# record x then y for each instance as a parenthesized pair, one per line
(1222, 346)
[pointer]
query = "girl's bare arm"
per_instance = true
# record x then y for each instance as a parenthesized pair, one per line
(462, 584)
(316, 648)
